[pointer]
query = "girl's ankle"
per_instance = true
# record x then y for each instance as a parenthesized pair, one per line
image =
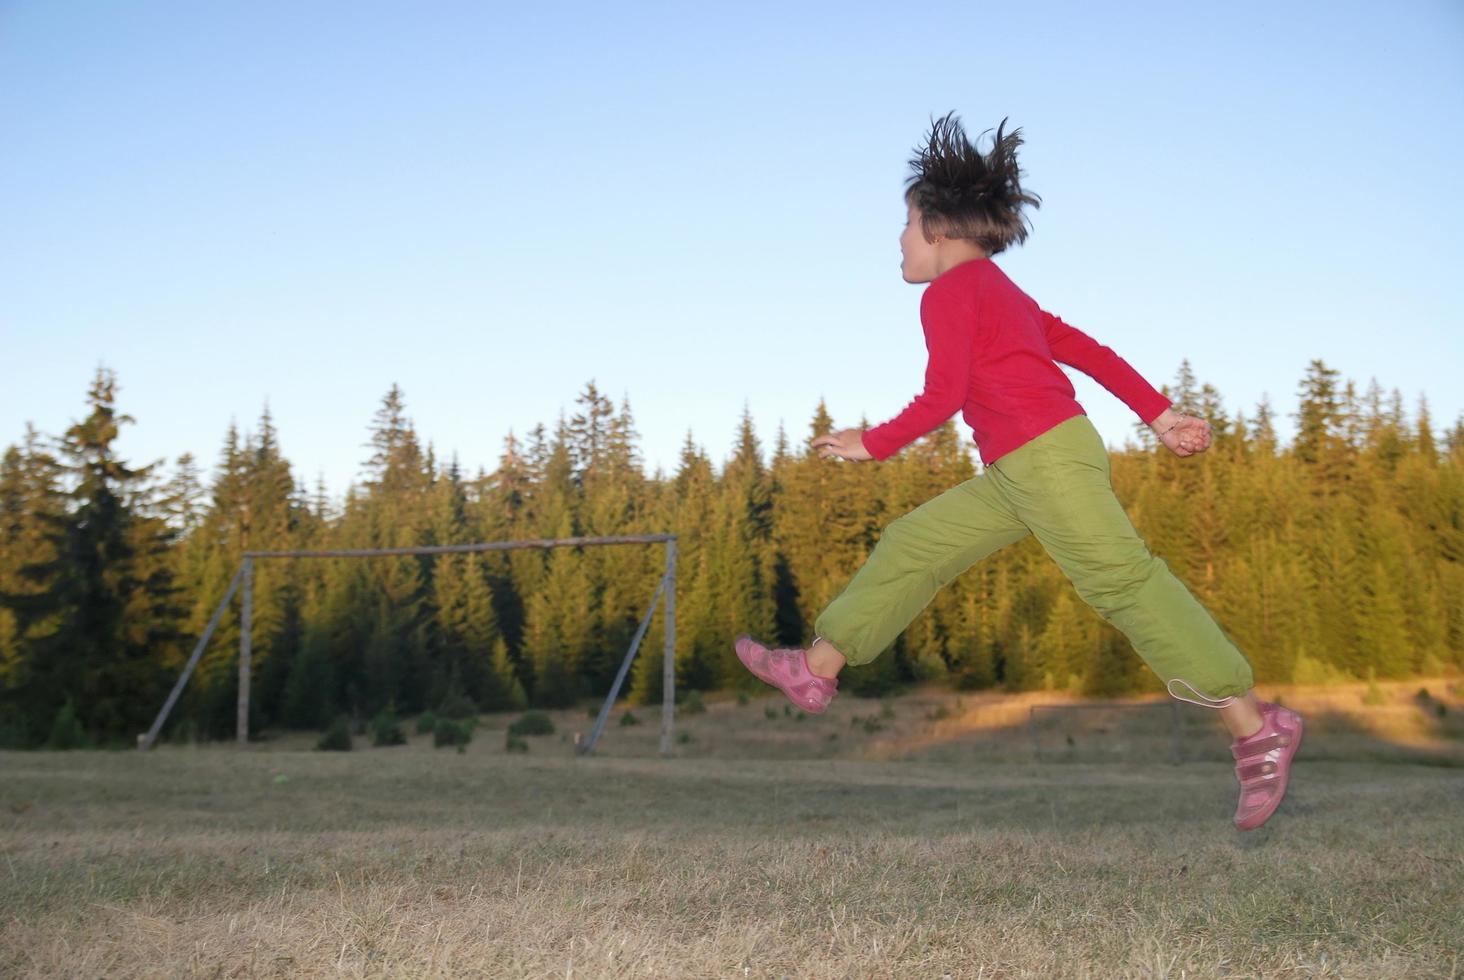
(824, 671)
(823, 660)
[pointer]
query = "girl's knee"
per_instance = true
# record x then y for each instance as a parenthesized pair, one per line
(899, 535)
(1116, 585)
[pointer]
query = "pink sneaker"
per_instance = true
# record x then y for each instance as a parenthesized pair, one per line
(787, 670)
(1263, 763)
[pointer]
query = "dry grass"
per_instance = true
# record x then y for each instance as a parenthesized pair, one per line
(931, 846)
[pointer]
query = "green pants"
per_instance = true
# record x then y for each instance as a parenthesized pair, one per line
(1057, 488)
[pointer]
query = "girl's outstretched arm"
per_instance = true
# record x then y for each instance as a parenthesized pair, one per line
(1071, 346)
(1183, 435)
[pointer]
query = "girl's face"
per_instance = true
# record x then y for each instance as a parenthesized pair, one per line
(918, 256)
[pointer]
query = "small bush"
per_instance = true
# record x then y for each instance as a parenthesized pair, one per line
(1308, 670)
(12, 734)
(532, 723)
(66, 730)
(629, 719)
(770, 712)
(886, 710)
(186, 730)
(515, 744)
(426, 722)
(593, 711)
(450, 732)
(458, 707)
(337, 737)
(742, 698)
(692, 704)
(940, 712)
(683, 737)
(1374, 695)
(385, 729)
(972, 680)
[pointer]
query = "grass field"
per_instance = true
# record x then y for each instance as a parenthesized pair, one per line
(923, 836)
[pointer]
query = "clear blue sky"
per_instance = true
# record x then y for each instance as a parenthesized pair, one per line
(695, 206)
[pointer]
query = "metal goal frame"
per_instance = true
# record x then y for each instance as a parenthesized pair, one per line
(245, 574)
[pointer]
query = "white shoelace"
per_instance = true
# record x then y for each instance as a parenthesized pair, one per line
(1204, 702)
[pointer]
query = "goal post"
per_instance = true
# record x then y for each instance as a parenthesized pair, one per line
(245, 574)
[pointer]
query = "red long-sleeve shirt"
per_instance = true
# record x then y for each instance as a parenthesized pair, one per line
(992, 353)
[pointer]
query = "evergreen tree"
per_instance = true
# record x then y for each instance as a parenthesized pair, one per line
(1066, 647)
(394, 514)
(275, 522)
(255, 506)
(1319, 418)
(32, 502)
(184, 499)
(107, 589)
(556, 633)
(787, 617)
(1454, 442)
(742, 554)
(588, 433)
(688, 511)
(622, 578)
(931, 466)
(1265, 428)
(506, 692)
(1426, 447)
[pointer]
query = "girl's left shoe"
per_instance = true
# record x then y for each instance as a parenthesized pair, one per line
(1263, 764)
(787, 670)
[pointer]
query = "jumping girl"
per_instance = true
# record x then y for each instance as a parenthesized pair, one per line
(1045, 471)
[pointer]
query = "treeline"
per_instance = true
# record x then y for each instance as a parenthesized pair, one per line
(1340, 555)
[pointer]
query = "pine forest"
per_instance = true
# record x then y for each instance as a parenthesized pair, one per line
(1335, 557)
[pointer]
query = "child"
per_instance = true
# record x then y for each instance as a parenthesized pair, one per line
(1045, 471)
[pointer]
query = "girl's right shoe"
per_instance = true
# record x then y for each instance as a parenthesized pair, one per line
(787, 670)
(1263, 764)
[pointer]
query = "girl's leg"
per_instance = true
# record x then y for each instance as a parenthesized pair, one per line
(1242, 716)
(916, 555)
(1059, 484)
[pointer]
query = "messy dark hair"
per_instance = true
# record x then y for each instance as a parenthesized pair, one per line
(962, 193)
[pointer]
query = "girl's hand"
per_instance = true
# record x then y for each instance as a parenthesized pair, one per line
(1185, 435)
(844, 444)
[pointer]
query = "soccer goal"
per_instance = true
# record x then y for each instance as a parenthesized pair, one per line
(245, 575)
